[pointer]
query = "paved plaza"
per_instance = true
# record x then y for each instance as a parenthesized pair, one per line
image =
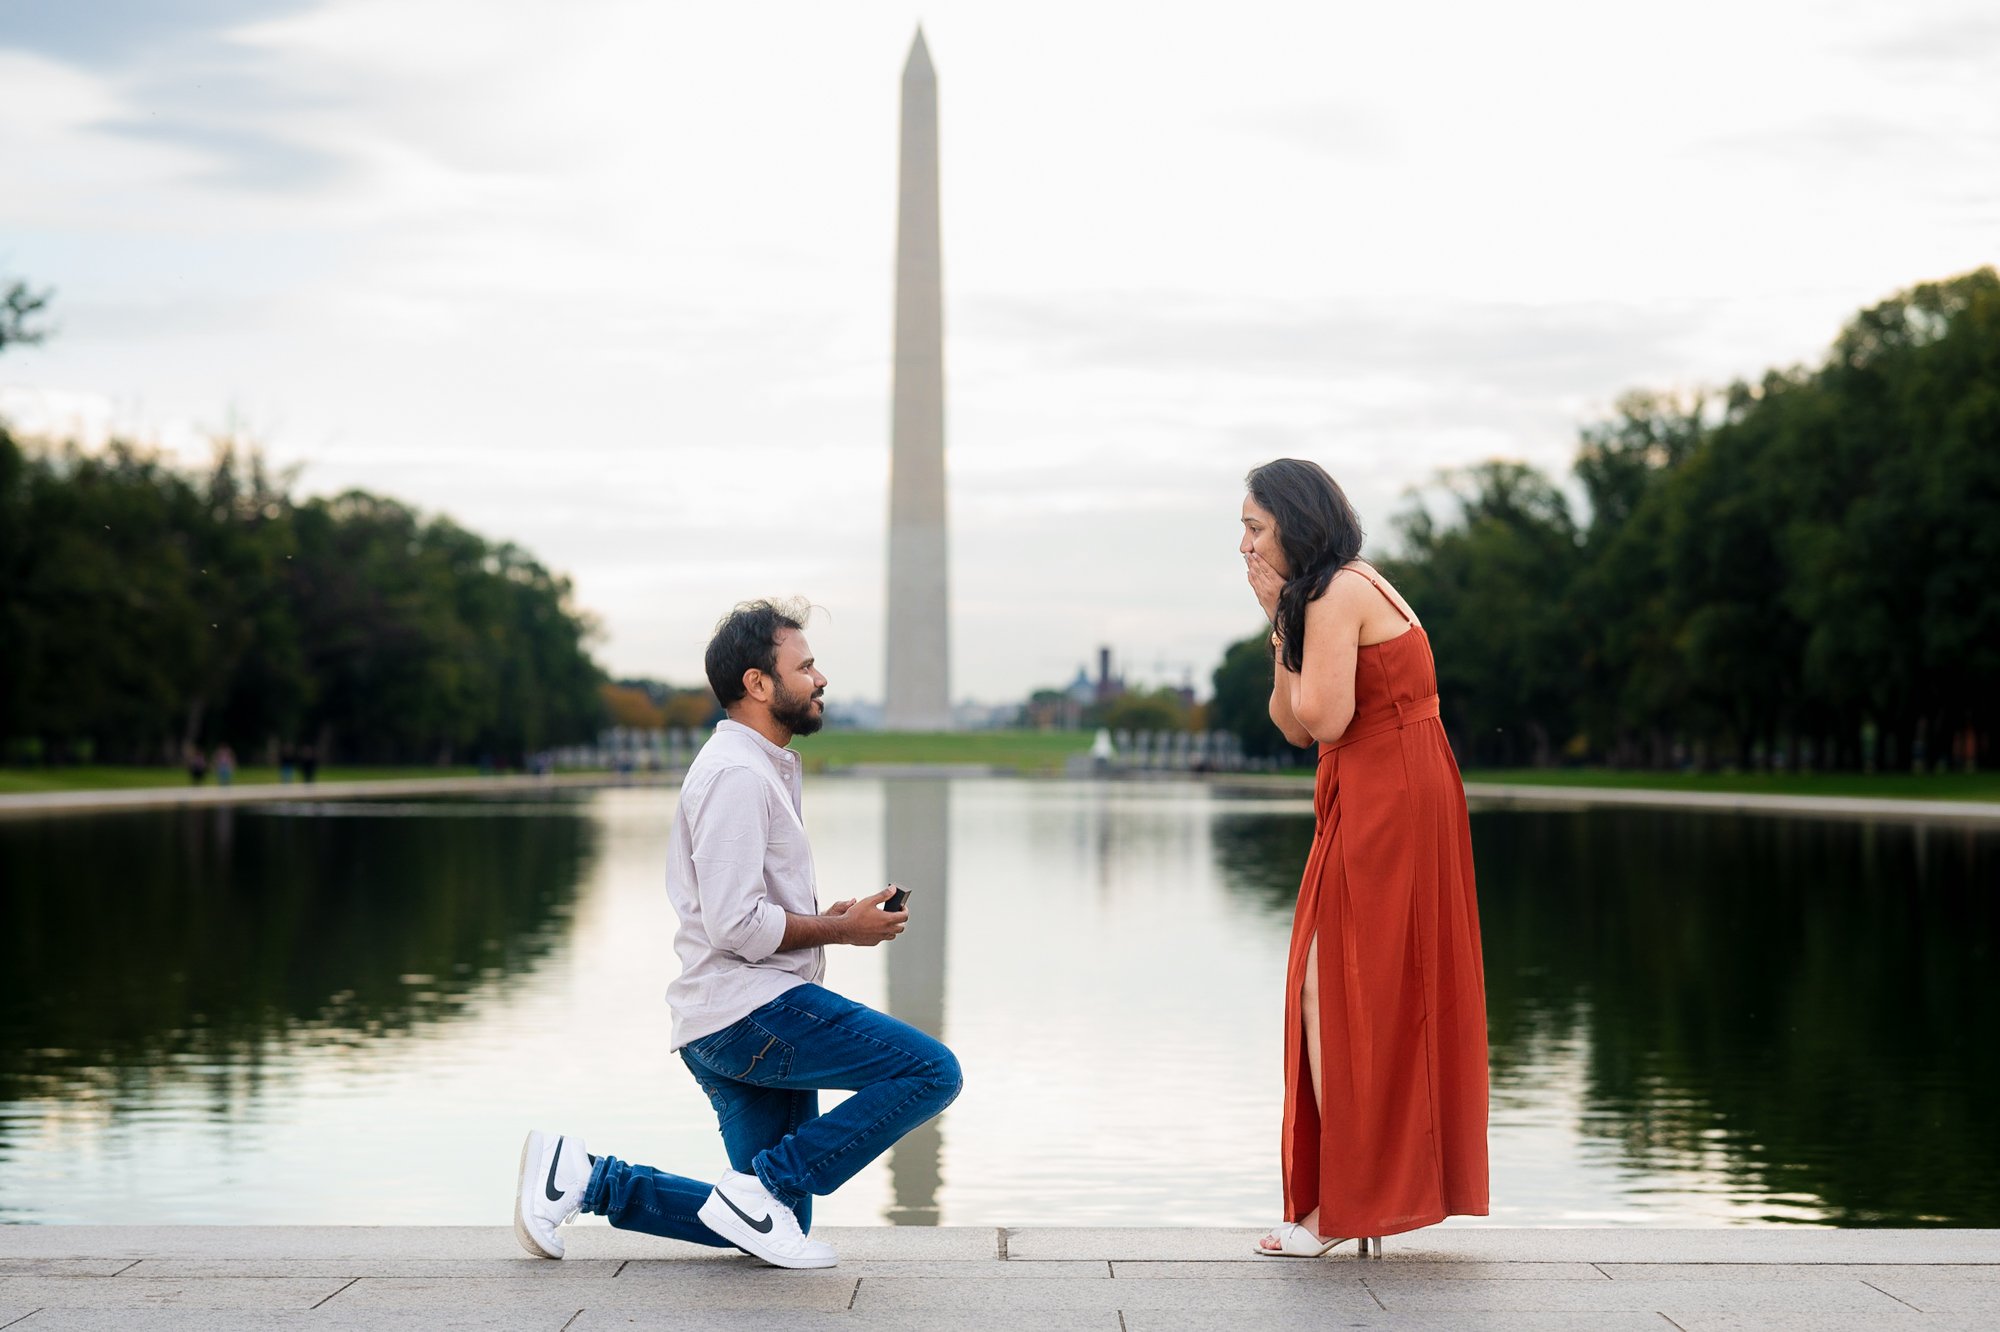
(133, 1279)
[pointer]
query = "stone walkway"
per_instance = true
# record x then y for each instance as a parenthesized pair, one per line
(1528, 795)
(202, 797)
(1983, 813)
(133, 1279)
(1977, 813)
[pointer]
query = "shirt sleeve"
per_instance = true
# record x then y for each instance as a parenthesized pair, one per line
(726, 842)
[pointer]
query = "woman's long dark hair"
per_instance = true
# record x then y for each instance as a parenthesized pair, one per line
(1318, 532)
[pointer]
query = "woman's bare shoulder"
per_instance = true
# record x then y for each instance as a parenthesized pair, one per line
(1341, 601)
(1364, 569)
(1351, 580)
(1369, 574)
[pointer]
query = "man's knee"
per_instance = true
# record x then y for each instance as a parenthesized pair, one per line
(946, 1076)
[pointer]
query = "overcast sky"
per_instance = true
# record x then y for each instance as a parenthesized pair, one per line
(613, 280)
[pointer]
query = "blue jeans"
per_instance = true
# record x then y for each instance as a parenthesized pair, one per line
(763, 1074)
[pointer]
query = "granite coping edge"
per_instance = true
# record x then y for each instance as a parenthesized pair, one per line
(1721, 1246)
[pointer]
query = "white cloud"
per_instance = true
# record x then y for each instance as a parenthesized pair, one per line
(612, 279)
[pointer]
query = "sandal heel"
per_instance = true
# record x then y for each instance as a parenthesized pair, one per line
(1369, 1246)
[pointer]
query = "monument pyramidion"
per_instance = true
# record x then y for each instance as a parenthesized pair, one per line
(917, 692)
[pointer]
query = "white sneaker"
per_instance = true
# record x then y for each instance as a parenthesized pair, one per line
(742, 1211)
(554, 1171)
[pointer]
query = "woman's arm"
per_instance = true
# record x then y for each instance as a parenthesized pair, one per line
(1322, 699)
(1284, 685)
(1267, 584)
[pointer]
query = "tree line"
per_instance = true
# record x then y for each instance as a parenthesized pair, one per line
(1798, 572)
(145, 609)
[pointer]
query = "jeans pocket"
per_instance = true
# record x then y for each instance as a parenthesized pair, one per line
(745, 1052)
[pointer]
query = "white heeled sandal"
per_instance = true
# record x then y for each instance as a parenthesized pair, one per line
(1295, 1241)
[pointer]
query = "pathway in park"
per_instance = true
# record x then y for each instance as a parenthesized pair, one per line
(195, 797)
(133, 1279)
(1974, 812)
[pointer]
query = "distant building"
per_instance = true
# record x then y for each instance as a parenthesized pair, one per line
(917, 694)
(1067, 708)
(1109, 686)
(1081, 691)
(971, 715)
(853, 714)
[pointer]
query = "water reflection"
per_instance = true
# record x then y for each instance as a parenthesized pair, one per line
(1799, 1009)
(349, 1015)
(179, 951)
(916, 845)
(1261, 852)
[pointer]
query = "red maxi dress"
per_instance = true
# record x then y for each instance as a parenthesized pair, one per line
(1401, 1139)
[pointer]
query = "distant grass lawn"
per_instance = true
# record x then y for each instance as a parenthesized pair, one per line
(1907, 786)
(1032, 753)
(92, 777)
(1041, 753)
(1028, 752)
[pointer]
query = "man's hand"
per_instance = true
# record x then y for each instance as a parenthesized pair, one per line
(1266, 582)
(864, 924)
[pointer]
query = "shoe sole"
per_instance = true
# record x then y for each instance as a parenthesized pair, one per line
(715, 1214)
(521, 1231)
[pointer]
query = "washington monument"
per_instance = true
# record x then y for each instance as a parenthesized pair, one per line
(918, 692)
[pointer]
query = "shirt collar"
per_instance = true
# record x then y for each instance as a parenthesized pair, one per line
(786, 760)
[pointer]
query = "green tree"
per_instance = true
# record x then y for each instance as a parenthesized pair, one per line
(1789, 567)
(145, 608)
(18, 306)
(1242, 699)
(105, 632)
(1492, 588)
(1145, 710)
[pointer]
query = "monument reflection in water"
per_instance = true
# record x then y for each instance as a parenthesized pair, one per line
(1695, 1019)
(916, 846)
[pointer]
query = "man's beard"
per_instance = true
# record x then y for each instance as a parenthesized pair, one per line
(795, 712)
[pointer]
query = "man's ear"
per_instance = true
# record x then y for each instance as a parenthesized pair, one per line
(752, 678)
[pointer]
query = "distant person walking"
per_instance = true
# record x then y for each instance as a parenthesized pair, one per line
(225, 765)
(750, 1019)
(1385, 998)
(197, 764)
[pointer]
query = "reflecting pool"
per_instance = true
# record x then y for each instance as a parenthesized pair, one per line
(350, 1012)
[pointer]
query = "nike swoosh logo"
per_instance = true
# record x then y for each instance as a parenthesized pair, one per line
(555, 1194)
(762, 1227)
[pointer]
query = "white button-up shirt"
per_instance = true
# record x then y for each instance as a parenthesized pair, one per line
(737, 862)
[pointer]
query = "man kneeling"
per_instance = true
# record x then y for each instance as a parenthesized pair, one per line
(751, 1021)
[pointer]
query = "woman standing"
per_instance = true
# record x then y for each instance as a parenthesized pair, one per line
(1385, 999)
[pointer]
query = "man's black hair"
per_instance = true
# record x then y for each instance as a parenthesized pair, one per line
(746, 639)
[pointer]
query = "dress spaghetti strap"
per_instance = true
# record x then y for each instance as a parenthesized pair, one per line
(1377, 585)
